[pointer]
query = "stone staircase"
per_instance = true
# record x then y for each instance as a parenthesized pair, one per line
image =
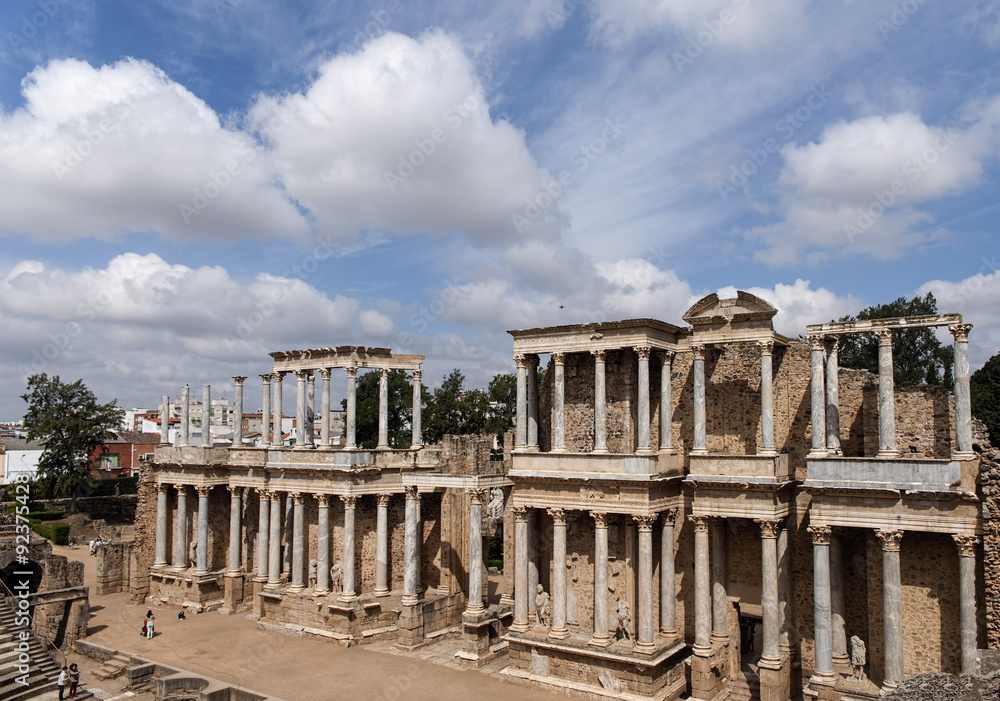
(746, 687)
(113, 667)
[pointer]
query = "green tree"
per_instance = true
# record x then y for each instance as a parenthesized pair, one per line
(400, 409)
(986, 396)
(917, 354)
(72, 425)
(502, 394)
(447, 409)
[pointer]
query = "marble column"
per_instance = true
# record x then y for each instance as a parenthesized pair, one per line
(559, 630)
(521, 594)
(274, 542)
(323, 539)
(206, 416)
(666, 403)
(420, 543)
(410, 547)
(383, 409)
(382, 546)
(892, 607)
(559, 403)
(600, 404)
(668, 586)
(202, 555)
(838, 629)
(823, 672)
(968, 631)
(886, 398)
(817, 397)
(180, 529)
(235, 511)
(533, 573)
(766, 398)
(475, 600)
(601, 637)
(417, 439)
(263, 526)
(720, 601)
(298, 541)
(310, 425)
(642, 438)
(531, 377)
(521, 430)
(238, 381)
(348, 594)
(700, 413)
(644, 629)
(963, 396)
(770, 653)
(324, 431)
(278, 409)
(351, 421)
(185, 435)
(832, 397)
(289, 525)
(161, 525)
(784, 594)
(265, 410)
(301, 409)
(702, 588)
(165, 420)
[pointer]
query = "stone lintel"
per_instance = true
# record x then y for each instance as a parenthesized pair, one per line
(871, 325)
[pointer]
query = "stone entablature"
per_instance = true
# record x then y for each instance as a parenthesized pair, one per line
(898, 474)
(344, 357)
(758, 469)
(582, 466)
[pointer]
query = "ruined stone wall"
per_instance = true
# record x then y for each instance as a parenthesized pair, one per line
(120, 509)
(114, 562)
(925, 421)
(989, 575)
(145, 532)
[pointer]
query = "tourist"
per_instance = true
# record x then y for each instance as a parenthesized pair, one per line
(61, 682)
(181, 616)
(74, 679)
(118, 492)
(92, 547)
(149, 625)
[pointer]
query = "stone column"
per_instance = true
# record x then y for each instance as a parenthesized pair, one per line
(206, 416)
(263, 526)
(668, 586)
(963, 396)
(411, 546)
(892, 605)
(311, 406)
(817, 397)
(165, 420)
(286, 560)
(202, 558)
(700, 414)
(642, 438)
(769, 591)
(238, 381)
(180, 529)
(766, 399)
(265, 411)
(382, 546)
(784, 594)
(383, 409)
(323, 535)
(967, 600)
(886, 398)
(278, 409)
(823, 672)
(417, 439)
(324, 431)
(161, 525)
(521, 623)
(185, 416)
(559, 630)
(235, 499)
(349, 594)
(644, 629)
(702, 588)
(521, 431)
(420, 544)
(301, 409)
(838, 630)
(666, 404)
(298, 542)
(559, 403)
(600, 406)
(274, 542)
(351, 421)
(532, 559)
(531, 373)
(720, 601)
(475, 602)
(832, 397)
(601, 637)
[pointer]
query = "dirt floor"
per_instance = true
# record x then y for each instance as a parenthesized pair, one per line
(231, 648)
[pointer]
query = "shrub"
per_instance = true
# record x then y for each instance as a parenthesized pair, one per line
(106, 487)
(52, 515)
(58, 533)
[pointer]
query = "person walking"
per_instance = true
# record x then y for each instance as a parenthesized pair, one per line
(149, 625)
(74, 679)
(61, 682)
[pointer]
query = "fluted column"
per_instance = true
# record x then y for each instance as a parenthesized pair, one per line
(349, 594)
(817, 397)
(531, 376)
(769, 591)
(202, 556)
(963, 396)
(666, 403)
(702, 588)
(274, 542)
(644, 628)
(161, 525)
(968, 631)
(601, 637)
(668, 586)
(521, 430)
(324, 431)
(165, 420)
(235, 510)
(886, 397)
(766, 399)
(411, 546)
(475, 602)
(643, 440)
(351, 421)
(823, 672)
(559, 630)
(206, 416)
(265, 410)
(520, 624)
(238, 381)
(832, 397)
(838, 629)
(383, 409)
(301, 410)
(700, 413)
(720, 601)
(180, 529)
(323, 538)
(559, 403)
(382, 546)
(278, 409)
(185, 436)
(892, 607)
(263, 526)
(417, 439)
(600, 404)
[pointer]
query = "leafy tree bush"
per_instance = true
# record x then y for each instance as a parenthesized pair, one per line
(985, 385)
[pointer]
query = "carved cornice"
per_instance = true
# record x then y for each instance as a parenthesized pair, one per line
(642, 352)
(558, 516)
(769, 528)
(350, 500)
(477, 496)
(645, 522)
(520, 513)
(600, 519)
(890, 539)
(820, 534)
(960, 332)
(383, 499)
(884, 337)
(700, 523)
(966, 544)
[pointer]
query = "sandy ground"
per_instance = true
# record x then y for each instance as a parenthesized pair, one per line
(231, 648)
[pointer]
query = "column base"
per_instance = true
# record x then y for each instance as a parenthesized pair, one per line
(644, 451)
(410, 600)
(520, 628)
(161, 565)
(383, 446)
(835, 451)
(506, 600)
(474, 610)
(416, 446)
(347, 598)
(668, 634)
(325, 446)
(199, 572)
(599, 451)
(350, 447)
(558, 449)
(813, 454)
(559, 633)
(887, 454)
(768, 452)
(296, 588)
(823, 679)
(669, 450)
(698, 451)
(600, 641)
(963, 456)
(644, 648)
(320, 592)
(381, 592)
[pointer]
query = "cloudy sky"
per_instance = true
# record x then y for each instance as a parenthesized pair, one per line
(186, 185)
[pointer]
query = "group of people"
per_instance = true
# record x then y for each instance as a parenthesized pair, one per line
(95, 543)
(71, 676)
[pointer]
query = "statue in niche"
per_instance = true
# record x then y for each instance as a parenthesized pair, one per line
(312, 574)
(624, 619)
(859, 657)
(336, 578)
(573, 576)
(542, 606)
(193, 553)
(494, 509)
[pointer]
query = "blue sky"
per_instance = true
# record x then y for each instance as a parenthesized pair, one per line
(187, 185)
